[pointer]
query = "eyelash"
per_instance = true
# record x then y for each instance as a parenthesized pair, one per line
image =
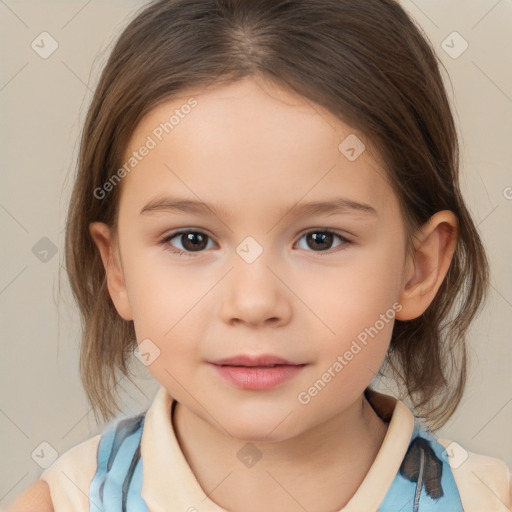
(165, 241)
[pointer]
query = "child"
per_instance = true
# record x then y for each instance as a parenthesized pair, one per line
(261, 128)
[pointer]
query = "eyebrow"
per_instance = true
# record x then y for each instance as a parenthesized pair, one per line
(333, 206)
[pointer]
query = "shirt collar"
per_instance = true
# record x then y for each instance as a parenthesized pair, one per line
(170, 484)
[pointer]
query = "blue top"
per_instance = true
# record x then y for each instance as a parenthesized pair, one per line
(424, 482)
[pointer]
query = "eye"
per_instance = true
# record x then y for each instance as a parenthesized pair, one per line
(196, 241)
(191, 241)
(320, 239)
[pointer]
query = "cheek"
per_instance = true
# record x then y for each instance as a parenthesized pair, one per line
(359, 310)
(353, 296)
(162, 295)
(167, 309)
(376, 280)
(348, 361)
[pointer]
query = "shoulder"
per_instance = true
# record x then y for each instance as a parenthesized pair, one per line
(70, 476)
(36, 497)
(484, 482)
(64, 485)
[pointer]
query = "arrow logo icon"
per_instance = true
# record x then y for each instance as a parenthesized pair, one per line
(249, 455)
(44, 250)
(146, 352)
(44, 454)
(454, 45)
(249, 249)
(351, 147)
(44, 45)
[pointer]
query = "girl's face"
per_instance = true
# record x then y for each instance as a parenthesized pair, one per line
(259, 275)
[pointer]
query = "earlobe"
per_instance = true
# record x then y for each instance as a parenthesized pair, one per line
(108, 249)
(427, 267)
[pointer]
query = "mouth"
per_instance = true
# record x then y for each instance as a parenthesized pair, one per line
(250, 361)
(256, 373)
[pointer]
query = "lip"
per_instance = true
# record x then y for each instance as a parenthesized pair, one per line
(256, 372)
(246, 360)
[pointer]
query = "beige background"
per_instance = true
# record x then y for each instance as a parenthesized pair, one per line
(43, 103)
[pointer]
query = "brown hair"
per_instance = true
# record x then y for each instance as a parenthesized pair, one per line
(368, 64)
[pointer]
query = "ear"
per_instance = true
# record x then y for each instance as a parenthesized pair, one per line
(426, 268)
(108, 248)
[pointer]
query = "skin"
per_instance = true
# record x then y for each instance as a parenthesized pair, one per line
(254, 150)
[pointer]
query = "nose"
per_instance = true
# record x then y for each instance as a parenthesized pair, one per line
(255, 294)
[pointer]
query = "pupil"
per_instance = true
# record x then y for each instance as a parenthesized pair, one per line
(191, 238)
(321, 237)
(196, 240)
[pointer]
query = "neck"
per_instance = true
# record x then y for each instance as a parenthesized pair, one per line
(320, 469)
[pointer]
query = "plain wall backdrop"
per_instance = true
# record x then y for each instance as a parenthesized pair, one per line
(45, 88)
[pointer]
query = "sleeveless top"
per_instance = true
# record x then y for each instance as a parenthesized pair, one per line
(424, 482)
(136, 465)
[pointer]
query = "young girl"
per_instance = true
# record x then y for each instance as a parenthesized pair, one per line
(267, 215)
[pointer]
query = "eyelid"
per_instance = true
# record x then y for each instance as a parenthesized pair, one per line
(183, 231)
(343, 234)
(335, 232)
(347, 240)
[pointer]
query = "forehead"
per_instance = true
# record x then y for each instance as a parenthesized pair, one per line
(244, 116)
(247, 140)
